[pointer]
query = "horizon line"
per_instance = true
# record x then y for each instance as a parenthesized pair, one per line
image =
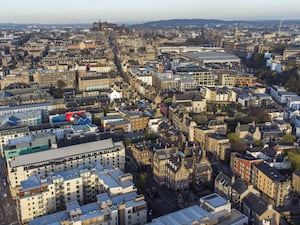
(147, 21)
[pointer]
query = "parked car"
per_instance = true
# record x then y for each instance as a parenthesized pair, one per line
(4, 180)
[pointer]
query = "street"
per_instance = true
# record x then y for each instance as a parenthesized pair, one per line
(8, 214)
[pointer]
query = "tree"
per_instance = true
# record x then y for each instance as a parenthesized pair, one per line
(168, 101)
(258, 143)
(200, 119)
(142, 180)
(56, 92)
(61, 84)
(234, 138)
(288, 138)
(257, 61)
(294, 157)
(211, 107)
(127, 142)
(258, 115)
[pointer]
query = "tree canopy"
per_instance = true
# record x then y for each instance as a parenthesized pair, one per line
(234, 138)
(288, 138)
(200, 119)
(294, 157)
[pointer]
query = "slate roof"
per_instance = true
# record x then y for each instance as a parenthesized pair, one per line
(240, 186)
(255, 203)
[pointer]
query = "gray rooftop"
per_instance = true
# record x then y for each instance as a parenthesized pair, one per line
(65, 152)
(89, 211)
(212, 56)
(271, 172)
(214, 200)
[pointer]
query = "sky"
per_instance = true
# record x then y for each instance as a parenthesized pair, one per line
(137, 11)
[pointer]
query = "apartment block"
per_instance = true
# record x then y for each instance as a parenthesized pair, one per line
(40, 195)
(5, 110)
(13, 79)
(29, 144)
(296, 181)
(272, 183)
(125, 209)
(107, 152)
(54, 77)
(9, 133)
(243, 166)
(201, 135)
(142, 153)
(218, 145)
(30, 118)
(137, 120)
(200, 75)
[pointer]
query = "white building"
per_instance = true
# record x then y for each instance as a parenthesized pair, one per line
(40, 195)
(280, 95)
(297, 125)
(9, 133)
(293, 102)
(125, 209)
(106, 152)
(145, 78)
(30, 118)
(4, 110)
(110, 118)
(113, 95)
(213, 209)
(153, 124)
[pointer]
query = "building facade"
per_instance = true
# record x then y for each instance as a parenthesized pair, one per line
(107, 152)
(125, 209)
(40, 195)
(271, 183)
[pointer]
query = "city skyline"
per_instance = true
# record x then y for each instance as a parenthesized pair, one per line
(134, 11)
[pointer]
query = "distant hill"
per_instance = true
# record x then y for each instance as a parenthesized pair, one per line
(20, 26)
(173, 23)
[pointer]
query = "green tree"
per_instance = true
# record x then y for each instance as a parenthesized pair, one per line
(258, 143)
(257, 61)
(211, 107)
(142, 180)
(294, 157)
(288, 138)
(200, 119)
(168, 101)
(127, 142)
(258, 115)
(234, 138)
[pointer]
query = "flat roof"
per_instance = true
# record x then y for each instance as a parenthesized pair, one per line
(184, 216)
(212, 56)
(61, 153)
(270, 172)
(89, 211)
(4, 108)
(214, 200)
